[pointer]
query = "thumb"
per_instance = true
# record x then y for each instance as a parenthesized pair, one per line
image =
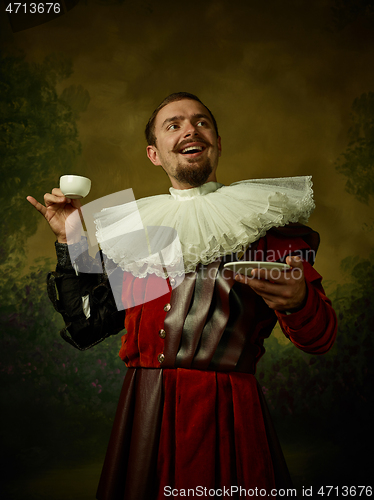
(294, 261)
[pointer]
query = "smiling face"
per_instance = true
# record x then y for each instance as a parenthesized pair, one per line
(187, 146)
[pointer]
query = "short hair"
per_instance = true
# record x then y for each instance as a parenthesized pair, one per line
(177, 96)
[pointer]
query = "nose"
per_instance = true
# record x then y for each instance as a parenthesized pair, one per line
(190, 130)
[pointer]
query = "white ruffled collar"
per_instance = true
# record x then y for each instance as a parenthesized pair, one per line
(178, 231)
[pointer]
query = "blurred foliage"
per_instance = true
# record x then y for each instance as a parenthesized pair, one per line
(56, 402)
(38, 139)
(38, 143)
(337, 385)
(357, 162)
(77, 98)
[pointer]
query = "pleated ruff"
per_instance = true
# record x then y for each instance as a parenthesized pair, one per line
(198, 225)
(182, 428)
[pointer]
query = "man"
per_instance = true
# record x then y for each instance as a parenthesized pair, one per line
(191, 415)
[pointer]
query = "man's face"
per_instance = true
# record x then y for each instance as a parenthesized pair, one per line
(186, 147)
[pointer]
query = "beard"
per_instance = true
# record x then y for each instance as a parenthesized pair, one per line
(195, 174)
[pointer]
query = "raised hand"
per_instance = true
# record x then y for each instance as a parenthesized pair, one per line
(56, 211)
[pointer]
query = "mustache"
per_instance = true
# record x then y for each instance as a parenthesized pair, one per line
(186, 142)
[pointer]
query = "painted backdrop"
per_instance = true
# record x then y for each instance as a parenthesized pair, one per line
(291, 84)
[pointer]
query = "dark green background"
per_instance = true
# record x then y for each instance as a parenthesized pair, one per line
(290, 84)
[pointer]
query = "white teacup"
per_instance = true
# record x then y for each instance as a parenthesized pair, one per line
(75, 186)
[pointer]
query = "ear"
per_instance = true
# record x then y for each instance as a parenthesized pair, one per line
(219, 145)
(152, 154)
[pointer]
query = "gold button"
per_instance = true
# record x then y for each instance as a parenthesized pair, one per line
(160, 358)
(172, 281)
(167, 307)
(162, 333)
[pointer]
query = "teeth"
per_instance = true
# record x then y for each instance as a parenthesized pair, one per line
(192, 148)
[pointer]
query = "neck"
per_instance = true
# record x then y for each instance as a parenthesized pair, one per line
(179, 185)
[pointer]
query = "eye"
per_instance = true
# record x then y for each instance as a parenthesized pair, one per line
(201, 123)
(173, 126)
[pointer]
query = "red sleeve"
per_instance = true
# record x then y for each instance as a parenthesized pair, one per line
(313, 328)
